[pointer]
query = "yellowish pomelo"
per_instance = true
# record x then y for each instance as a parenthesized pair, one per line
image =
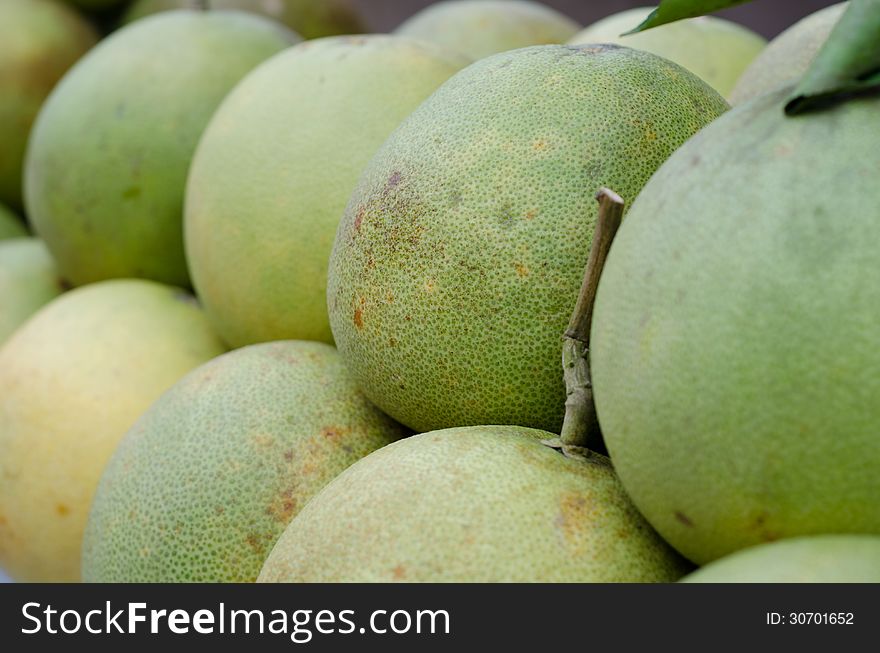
(73, 380)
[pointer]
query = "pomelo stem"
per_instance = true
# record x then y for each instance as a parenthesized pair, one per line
(581, 426)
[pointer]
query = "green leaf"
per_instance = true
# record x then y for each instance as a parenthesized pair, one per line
(672, 10)
(848, 63)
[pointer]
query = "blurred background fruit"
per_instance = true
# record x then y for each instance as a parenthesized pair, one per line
(39, 41)
(73, 380)
(817, 559)
(130, 116)
(28, 280)
(788, 56)
(766, 18)
(715, 50)
(276, 167)
(478, 504)
(478, 28)
(309, 18)
(96, 5)
(11, 225)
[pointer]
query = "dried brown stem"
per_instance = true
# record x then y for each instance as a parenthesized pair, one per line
(581, 427)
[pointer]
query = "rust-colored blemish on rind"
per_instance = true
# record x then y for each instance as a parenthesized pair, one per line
(521, 270)
(760, 526)
(262, 440)
(393, 180)
(359, 218)
(333, 432)
(574, 515)
(399, 572)
(62, 510)
(283, 507)
(359, 318)
(684, 519)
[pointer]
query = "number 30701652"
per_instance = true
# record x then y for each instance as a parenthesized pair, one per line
(806, 618)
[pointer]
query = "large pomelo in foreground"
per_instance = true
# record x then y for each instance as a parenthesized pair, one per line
(715, 50)
(479, 28)
(816, 559)
(308, 18)
(788, 56)
(28, 280)
(735, 349)
(276, 167)
(478, 504)
(130, 116)
(72, 382)
(39, 41)
(463, 248)
(208, 478)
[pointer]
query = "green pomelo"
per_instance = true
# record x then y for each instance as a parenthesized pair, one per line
(715, 50)
(130, 115)
(463, 248)
(39, 41)
(817, 559)
(10, 225)
(735, 349)
(28, 280)
(276, 167)
(478, 504)
(206, 481)
(309, 18)
(73, 380)
(479, 28)
(786, 59)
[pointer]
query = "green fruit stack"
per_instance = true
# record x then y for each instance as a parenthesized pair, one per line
(118, 212)
(483, 299)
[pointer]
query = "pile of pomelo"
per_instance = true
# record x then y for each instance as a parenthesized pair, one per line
(282, 300)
